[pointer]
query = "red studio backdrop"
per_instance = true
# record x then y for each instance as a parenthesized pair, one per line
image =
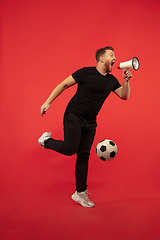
(42, 43)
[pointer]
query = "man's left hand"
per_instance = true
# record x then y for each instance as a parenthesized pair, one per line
(127, 74)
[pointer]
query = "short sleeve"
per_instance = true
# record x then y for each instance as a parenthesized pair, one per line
(116, 84)
(79, 75)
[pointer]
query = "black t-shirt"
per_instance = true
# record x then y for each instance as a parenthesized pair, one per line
(93, 89)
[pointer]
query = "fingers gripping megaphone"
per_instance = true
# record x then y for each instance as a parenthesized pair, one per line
(133, 63)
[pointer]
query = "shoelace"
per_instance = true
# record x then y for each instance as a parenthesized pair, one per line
(85, 196)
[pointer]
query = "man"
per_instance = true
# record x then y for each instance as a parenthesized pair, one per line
(94, 86)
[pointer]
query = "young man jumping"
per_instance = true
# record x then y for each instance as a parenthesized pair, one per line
(94, 86)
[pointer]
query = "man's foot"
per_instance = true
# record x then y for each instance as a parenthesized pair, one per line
(82, 198)
(43, 138)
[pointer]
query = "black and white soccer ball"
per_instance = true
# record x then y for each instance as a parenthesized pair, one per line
(106, 150)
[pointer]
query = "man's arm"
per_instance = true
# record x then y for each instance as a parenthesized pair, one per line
(68, 82)
(124, 91)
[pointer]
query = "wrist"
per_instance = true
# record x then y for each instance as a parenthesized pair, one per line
(125, 81)
(48, 101)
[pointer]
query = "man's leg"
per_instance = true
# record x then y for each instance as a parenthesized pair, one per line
(72, 136)
(81, 169)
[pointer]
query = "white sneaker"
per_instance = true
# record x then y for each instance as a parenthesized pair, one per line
(82, 198)
(43, 138)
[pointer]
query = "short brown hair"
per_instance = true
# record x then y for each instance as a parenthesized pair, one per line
(101, 51)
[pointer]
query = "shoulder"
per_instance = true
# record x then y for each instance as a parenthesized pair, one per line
(90, 70)
(86, 70)
(115, 82)
(79, 71)
(83, 72)
(111, 76)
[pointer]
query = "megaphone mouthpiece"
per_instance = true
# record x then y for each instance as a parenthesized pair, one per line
(133, 63)
(118, 66)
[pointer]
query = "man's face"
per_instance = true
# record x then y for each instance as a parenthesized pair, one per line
(109, 59)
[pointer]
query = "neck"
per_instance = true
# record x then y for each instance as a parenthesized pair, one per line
(101, 69)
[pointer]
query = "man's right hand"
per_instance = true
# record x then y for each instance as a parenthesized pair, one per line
(44, 108)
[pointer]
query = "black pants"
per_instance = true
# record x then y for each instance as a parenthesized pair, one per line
(78, 138)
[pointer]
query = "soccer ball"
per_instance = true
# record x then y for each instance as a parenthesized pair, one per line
(106, 150)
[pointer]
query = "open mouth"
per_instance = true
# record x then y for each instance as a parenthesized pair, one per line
(112, 63)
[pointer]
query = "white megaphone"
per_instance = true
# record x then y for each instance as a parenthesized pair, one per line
(133, 63)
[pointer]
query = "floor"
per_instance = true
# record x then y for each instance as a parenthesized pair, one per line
(36, 204)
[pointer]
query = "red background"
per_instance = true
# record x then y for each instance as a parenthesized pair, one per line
(42, 43)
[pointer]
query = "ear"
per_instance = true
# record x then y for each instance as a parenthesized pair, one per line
(101, 59)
